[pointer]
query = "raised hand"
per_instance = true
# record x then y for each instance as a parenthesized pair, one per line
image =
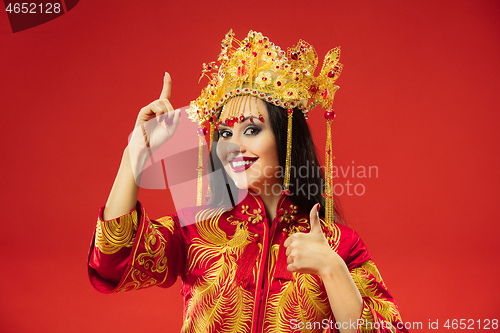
(310, 252)
(156, 122)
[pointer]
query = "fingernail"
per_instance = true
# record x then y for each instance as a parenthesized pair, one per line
(319, 206)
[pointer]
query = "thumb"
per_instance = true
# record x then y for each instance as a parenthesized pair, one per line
(314, 219)
(167, 86)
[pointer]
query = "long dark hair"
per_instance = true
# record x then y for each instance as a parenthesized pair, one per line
(306, 175)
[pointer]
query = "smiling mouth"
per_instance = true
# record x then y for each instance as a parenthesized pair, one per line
(242, 164)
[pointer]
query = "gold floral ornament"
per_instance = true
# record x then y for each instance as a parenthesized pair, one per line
(288, 216)
(254, 218)
(257, 67)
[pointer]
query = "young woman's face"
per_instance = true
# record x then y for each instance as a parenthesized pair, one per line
(248, 149)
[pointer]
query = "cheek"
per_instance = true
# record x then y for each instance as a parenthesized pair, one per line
(269, 152)
(221, 152)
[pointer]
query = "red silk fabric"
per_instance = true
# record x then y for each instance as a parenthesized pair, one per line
(203, 245)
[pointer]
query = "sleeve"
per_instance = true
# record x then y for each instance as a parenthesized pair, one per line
(380, 312)
(133, 252)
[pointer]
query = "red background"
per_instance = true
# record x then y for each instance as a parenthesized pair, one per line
(418, 99)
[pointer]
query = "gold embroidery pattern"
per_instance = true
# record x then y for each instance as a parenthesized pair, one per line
(215, 294)
(289, 215)
(302, 299)
(152, 260)
(295, 227)
(272, 260)
(254, 218)
(167, 222)
(332, 233)
(367, 278)
(139, 280)
(113, 235)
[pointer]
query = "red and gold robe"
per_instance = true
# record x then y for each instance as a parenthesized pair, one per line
(233, 267)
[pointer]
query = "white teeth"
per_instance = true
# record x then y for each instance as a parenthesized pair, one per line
(241, 163)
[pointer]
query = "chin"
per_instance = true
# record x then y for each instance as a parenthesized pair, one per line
(241, 185)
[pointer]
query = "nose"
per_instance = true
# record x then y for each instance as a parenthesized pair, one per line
(234, 149)
(235, 146)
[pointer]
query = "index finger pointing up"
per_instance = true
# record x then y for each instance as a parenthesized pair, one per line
(167, 86)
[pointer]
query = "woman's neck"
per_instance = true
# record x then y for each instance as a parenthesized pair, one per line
(270, 203)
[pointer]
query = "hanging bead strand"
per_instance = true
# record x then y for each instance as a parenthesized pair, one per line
(286, 182)
(329, 215)
(199, 188)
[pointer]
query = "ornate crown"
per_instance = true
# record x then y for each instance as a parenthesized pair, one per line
(258, 67)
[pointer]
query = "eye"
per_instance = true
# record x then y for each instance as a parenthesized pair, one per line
(252, 130)
(225, 134)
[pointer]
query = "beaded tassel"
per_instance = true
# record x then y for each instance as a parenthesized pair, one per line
(286, 182)
(329, 215)
(199, 187)
(211, 136)
(211, 139)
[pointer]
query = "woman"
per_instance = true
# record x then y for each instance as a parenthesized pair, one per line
(254, 259)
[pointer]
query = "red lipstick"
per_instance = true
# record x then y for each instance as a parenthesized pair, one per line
(242, 163)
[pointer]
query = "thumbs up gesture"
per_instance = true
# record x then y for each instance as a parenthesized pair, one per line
(310, 252)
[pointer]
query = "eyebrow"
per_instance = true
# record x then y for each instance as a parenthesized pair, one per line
(244, 119)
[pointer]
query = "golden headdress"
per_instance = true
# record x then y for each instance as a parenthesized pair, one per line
(257, 67)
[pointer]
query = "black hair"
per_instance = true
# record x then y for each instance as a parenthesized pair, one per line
(306, 190)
